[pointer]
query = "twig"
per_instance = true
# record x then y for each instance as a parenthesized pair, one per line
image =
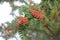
(54, 35)
(25, 2)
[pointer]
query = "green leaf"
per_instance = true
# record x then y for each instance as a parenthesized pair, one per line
(41, 26)
(24, 8)
(29, 15)
(12, 24)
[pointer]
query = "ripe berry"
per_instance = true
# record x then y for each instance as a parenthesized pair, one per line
(9, 29)
(42, 16)
(19, 21)
(36, 13)
(25, 20)
(45, 24)
(21, 17)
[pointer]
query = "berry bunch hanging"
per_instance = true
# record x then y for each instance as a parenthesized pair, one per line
(37, 14)
(22, 20)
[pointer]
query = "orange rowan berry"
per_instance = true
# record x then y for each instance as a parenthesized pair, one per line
(45, 24)
(25, 20)
(9, 29)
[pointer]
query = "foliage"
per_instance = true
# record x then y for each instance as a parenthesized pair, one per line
(41, 23)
